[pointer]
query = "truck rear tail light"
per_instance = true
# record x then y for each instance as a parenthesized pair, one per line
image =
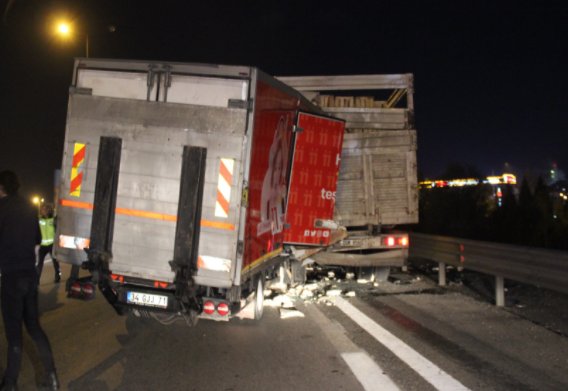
(223, 309)
(403, 241)
(75, 289)
(209, 307)
(390, 241)
(88, 291)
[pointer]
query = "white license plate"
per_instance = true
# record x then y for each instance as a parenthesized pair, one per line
(147, 299)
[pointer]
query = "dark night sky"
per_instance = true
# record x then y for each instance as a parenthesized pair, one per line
(490, 77)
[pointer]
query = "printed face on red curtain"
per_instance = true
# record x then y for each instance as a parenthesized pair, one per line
(274, 187)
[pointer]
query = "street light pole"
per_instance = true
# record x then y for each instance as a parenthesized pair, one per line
(64, 29)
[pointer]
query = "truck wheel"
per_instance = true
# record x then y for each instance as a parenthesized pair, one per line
(259, 295)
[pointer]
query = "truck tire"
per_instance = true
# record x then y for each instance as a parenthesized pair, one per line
(259, 295)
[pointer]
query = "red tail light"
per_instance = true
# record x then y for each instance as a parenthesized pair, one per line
(88, 290)
(75, 289)
(390, 241)
(223, 309)
(209, 307)
(403, 241)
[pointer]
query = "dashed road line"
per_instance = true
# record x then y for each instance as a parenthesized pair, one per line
(368, 372)
(424, 367)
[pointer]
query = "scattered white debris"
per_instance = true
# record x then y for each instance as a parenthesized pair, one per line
(331, 274)
(334, 292)
(311, 287)
(290, 313)
(307, 294)
(350, 294)
(350, 276)
(362, 281)
(376, 284)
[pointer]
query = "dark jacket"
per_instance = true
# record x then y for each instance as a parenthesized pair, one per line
(19, 234)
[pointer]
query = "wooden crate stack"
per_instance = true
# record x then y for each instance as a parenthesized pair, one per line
(350, 101)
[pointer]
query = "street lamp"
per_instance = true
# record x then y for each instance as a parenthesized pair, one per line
(64, 29)
(36, 201)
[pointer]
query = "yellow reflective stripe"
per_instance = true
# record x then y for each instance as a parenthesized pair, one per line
(259, 260)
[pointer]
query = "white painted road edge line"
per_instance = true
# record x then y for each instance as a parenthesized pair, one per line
(425, 368)
(369, 374)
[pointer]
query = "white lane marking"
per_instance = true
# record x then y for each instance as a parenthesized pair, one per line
(425, 368)
(369, 374)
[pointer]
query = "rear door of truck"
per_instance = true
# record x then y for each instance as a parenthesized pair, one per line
(156, 113)
(377, 179)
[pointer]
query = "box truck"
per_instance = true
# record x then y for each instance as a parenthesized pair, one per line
(186, 187)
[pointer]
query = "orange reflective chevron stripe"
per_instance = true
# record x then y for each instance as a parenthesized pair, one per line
(148, 215)
(224, 188)
(76, 175)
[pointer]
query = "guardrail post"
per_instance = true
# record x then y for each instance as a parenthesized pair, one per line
(442, 274)
(499, 291)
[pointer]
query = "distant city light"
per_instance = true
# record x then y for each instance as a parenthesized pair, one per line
(493, 180)
(63, 29)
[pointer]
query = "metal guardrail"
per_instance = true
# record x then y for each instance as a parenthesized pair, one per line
(528, 265)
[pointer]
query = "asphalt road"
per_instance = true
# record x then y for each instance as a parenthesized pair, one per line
(391, 337)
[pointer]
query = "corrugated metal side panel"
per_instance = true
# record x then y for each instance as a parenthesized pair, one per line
(392, 198)
(153, 137)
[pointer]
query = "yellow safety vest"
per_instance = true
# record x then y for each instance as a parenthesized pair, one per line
(47, 231)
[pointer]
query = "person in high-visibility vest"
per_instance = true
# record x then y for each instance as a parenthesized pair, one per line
(47, 226)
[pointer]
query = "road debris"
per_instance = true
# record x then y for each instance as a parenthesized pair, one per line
(290, 313)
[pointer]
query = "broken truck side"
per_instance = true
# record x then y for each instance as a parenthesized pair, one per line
(378, 186)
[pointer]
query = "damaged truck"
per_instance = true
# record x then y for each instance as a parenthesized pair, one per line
(185, 188)
(378, 187)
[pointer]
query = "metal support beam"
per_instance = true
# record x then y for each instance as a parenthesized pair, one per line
(102, 224)
(442, 274)
(499, 291)
(189, 216)
(104, 204)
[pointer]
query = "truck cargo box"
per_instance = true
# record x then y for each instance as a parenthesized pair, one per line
(378, 174)
(272, 160)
